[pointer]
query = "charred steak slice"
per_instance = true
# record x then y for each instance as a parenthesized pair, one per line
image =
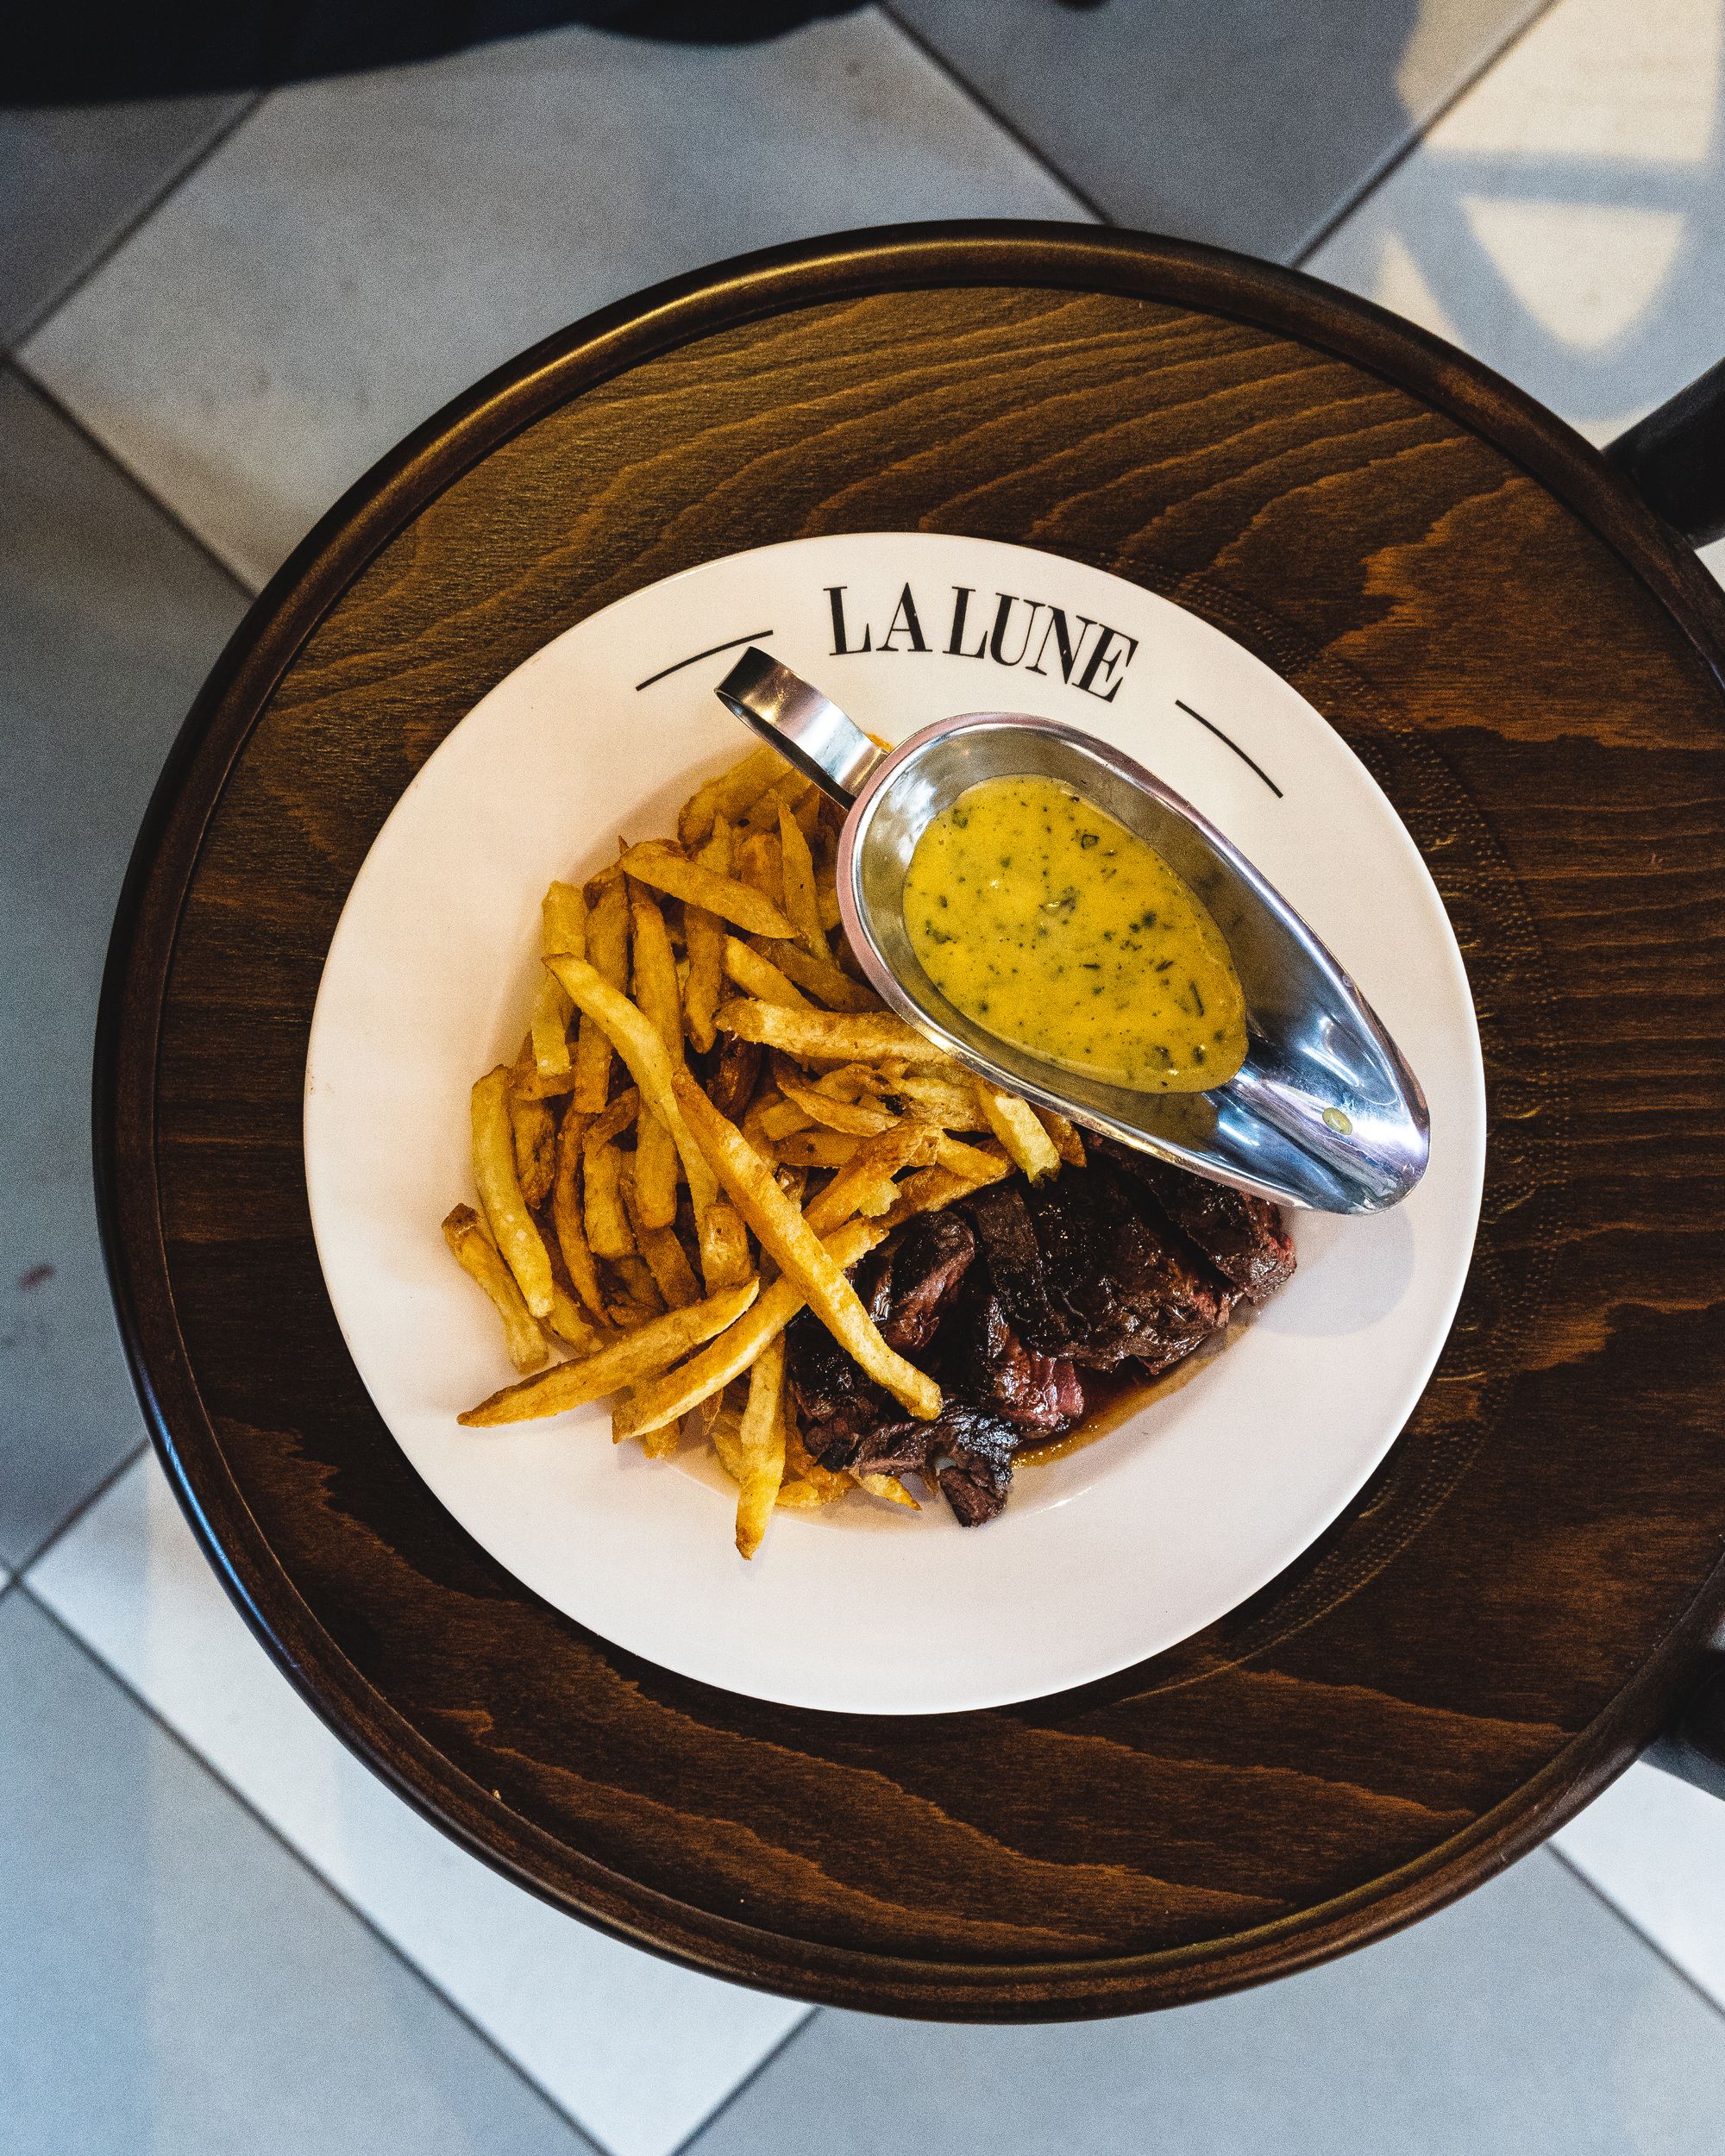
(1132, 1291)
(965, 1450)
(924, 1266)
(1009, 1239)
(982, 1360)
(839, 1405)
(1243, 1237)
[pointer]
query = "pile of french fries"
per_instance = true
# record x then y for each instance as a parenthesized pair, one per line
(647, 1234)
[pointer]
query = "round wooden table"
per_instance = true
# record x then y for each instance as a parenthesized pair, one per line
(1527, 659)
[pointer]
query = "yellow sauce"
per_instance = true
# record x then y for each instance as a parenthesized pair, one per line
(1059, 929)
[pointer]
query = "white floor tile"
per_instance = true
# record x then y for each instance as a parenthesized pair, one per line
(362, 249)
(637, 2053)
(1566, 220)
(1656, 1847)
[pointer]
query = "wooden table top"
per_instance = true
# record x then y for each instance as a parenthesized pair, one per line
(1529, 663)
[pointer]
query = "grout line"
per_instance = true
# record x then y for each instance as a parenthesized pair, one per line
(687, 2146)
(90, 1498)
(1397, 158)
(1033, 149)
(396, 1953)
(14, 363)
(1646, 1937)
(145, 210)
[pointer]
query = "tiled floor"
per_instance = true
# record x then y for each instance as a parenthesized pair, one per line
(218, 1932)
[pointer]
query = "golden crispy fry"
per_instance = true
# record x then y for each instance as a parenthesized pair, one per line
(770, 1121)
(650, 1405)
(656, 1170)
(732, 1087)
(930, 1188)
(800, 1497)
(760, 1445)
(623, 1363)
(724, 1245)
(500, 1196)
(704, 938)
(1064, 1135)
(786, 792)
(815, 1148)
(823, 980)
(568, 1222)
(563, 926)
(603, 1217)
(759, 866)
(783, 1232)
(827, 892)
(759, 976)
(464, 1232)
(862, 1120)
(731, 898)
(657, 993)
(731, 796)
(533, 1131)
(569, 1322)
(938, 1100)
(665, 1257)
(638, 1043)
(867, 1176)
(981, 1163)
(796, 870)
(643, 1290)
(613, 1118)
(1013, 1122)
(890, 1487)
(846, 1036)
(608, 951)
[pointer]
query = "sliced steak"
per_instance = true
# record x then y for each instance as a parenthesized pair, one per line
(924, 1268)
(1134, 1291)
(983, 1361)
(839, 1406)
(1243, 1237)
(1002, 1220)
(966, 1451)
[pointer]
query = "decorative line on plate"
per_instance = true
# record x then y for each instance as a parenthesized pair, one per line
(755, 636)
(1212, 729)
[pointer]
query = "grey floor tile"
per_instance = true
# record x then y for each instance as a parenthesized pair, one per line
(174, 1982)
(361, 250)
(73, 179)
(1249, 123)
(108, 620)
(1528, 2021)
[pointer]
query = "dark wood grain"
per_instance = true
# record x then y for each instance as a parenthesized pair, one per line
(1528, 663)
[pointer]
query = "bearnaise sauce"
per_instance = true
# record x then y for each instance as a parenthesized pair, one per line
(1062, 931)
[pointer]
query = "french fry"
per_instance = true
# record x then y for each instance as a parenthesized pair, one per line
(637, 1276)
(606, 1222)
(929, 1188)
(568, 1223)
(613, 1118)
(981, 1163)
(890, 1487)
(704, 938)
(800, 1497)
(796, 867)
(658, 997)
(939, 1101)
(861, 1120)
(665, 1257)
(724, 1245)
(1013, 1122)
(782, 1231)
(758, 977)
(786, 792)
(867, 1176)
(823, 980)
(650, 1405)
(815, 1148)
(569, 1322)
(607, 929)
(730, 796)
(761, 1444)
(500, 1195)
(637, 1041)
(626, 1362)
(733, 1083)
(533, 1131)
(846, 1036)
(731, 898)
(563, 926)
(759, 866)
(1064, 1133)
(464, 1232)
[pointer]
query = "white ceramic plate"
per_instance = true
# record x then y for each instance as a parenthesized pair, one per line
(1113, 1554)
